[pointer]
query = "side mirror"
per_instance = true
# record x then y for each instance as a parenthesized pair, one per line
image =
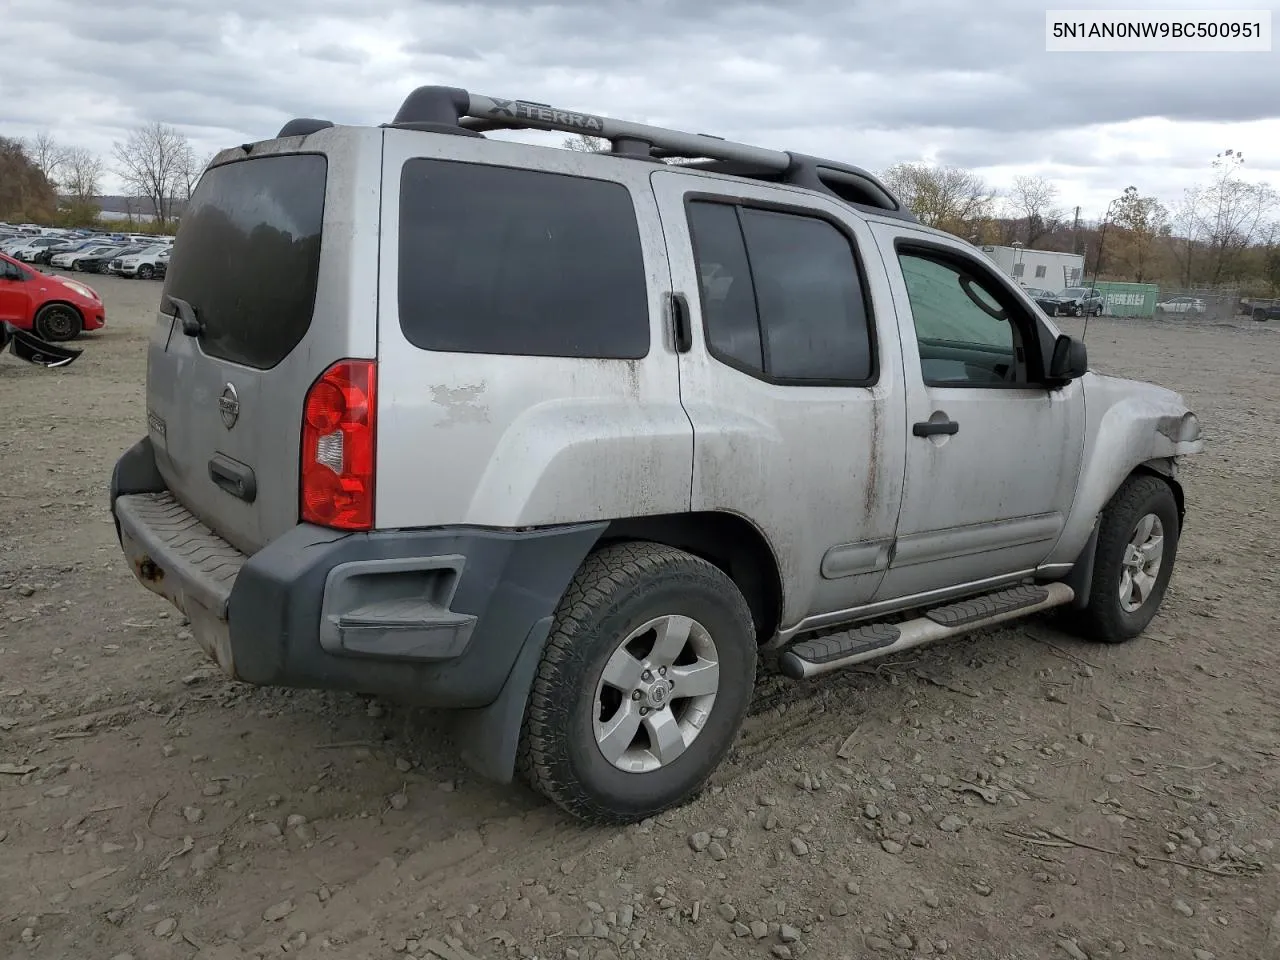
(10, 272)
(1070, 359)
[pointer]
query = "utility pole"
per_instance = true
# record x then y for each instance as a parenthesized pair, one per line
(1075, 233)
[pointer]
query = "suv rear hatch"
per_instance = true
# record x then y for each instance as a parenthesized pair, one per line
(266, 273)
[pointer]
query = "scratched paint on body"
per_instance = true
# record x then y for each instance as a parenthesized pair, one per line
(461, 404)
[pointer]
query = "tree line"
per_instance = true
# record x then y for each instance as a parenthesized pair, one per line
(1224, 231)
(45, 181)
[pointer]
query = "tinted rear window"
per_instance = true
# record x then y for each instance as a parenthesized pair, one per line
(517, 262)
(247, 257)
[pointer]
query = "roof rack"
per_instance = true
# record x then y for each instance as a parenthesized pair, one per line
(439, 109)
(452, 110)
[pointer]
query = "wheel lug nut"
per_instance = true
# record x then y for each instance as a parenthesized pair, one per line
(663, 671)
(646, 676)
(635, 694)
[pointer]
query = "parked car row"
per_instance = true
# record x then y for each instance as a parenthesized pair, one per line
(1088, 301)
(147, 259)
(30, 232)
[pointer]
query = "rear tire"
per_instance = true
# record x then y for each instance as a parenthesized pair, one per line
(1137, 546)
(58, 322)
(604, 736)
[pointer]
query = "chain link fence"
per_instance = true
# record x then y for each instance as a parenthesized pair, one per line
(1199, 303)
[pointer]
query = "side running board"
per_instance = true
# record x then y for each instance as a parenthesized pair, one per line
(810, 658)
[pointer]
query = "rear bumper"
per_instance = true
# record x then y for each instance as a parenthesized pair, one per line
(436, 617)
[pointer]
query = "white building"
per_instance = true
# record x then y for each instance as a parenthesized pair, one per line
(1045, 269)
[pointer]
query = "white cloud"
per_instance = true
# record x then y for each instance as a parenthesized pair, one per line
(870, 84)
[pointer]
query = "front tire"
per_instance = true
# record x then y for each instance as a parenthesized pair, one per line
(1137, 546)
(58, 322)
(643, 685)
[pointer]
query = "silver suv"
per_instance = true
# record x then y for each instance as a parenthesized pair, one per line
(569, 441)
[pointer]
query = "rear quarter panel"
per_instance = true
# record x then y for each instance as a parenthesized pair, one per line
(518, 441)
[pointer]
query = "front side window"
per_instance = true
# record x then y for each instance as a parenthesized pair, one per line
(965, 336)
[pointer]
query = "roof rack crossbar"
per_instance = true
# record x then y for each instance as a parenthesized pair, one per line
(490, 113)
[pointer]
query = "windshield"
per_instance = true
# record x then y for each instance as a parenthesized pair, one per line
(1078, 292)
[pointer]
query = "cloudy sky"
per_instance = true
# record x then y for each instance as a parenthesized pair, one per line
(871, 82)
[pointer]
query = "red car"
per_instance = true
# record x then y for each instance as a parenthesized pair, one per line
(53, 308)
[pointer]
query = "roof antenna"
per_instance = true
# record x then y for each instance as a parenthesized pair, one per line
(1097, 264)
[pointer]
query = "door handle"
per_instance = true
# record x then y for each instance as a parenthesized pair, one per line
(681, 324)
(930, 428)
(234, 477)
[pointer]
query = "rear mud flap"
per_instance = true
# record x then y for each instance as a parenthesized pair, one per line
(27, 346)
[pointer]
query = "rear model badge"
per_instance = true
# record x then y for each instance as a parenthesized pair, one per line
(229, 406)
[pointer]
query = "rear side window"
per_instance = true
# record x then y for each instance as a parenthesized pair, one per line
(519, 262)
(247, 258)
(782, 295)
(728, 300)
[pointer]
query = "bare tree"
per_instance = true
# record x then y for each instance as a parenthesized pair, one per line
(949, 198)
(1031, 199)
(1140, 221)
(582, 143)
(83, 175)
(191, 169)
(1184, 236)
(1231, 212)
(1271, 257)
(47, 154)
(152, 162)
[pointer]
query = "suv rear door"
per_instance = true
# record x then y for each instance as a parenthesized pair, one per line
(792, 380)
(276, 261)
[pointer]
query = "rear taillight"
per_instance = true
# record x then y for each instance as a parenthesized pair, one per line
(338, 430)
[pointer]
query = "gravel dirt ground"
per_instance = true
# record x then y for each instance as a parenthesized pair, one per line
(1020, 794)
